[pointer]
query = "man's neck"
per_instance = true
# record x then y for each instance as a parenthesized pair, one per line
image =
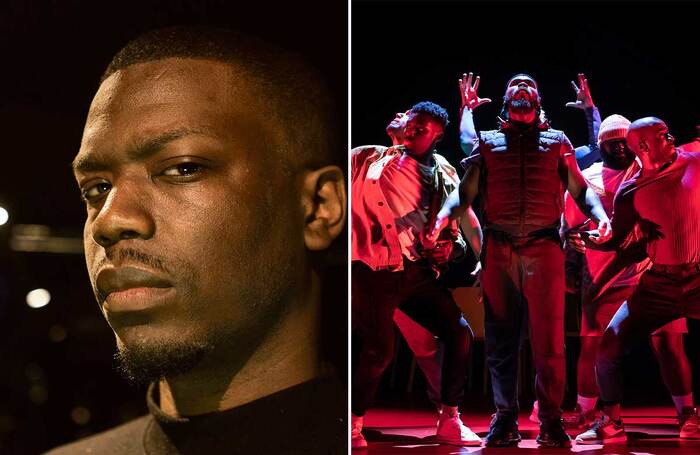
(522, 117)
(650, 167)
(426, 159)
(288, 356)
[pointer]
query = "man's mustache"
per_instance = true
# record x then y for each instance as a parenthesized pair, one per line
(131, 256)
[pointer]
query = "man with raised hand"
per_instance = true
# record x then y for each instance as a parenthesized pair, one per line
(521, 172)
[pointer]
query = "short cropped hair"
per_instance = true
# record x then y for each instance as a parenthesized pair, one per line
(296, 94)
(437, 112)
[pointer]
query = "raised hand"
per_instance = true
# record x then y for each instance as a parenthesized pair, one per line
(470, 99)
(583, 94)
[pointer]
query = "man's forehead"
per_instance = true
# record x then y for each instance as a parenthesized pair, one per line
(420, 118)
(172, 80)
(147, 99)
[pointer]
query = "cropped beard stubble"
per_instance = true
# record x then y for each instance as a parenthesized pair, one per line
(145, 364)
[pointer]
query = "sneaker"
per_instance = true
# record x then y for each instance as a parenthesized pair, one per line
(552, 434)
(603, 431)
(534, 417)
(503, 432)
(357, 441)
(451, 430)
(578, 420)
(689, 423)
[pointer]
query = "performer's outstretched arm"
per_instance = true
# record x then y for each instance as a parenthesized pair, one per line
(468, 138)
(586, 154)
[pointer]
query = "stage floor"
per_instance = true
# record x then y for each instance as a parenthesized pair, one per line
(650, 431)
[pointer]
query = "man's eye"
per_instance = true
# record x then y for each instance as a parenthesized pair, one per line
(95, 191)
(183, 170)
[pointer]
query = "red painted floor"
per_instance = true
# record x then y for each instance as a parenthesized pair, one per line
(650, 431)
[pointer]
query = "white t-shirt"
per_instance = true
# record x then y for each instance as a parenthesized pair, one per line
(406, 186)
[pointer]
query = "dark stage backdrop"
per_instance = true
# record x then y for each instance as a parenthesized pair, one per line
(640, 59)
(56, 378)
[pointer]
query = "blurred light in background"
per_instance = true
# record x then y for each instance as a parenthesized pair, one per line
(57, 333)
(38, 298)
(38, 394)
(4, 216)
(80, 415)
(38, 238)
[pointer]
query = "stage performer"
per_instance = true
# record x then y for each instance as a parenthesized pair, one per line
(426, 348)
(521, 171)
(397, 192)
(605, 177)
(656, 211)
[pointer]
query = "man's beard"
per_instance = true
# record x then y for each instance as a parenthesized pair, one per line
(616, 161)
(521, 105)
(141, 365)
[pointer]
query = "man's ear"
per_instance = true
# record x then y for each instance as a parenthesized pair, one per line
(642, 144)
(325, 206)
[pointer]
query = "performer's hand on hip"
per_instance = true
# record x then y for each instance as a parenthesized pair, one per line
(470, 99)
(430, 236)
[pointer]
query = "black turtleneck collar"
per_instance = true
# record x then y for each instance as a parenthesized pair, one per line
(306, 419)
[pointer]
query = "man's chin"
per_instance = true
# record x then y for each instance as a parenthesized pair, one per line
(142, 358)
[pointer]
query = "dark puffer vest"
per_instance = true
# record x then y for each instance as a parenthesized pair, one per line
(520, 180)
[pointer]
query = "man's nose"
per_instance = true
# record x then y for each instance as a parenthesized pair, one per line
(123, 216)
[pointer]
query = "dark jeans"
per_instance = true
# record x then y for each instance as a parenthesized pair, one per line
(375, 296)
(660, 298)
(524, 282)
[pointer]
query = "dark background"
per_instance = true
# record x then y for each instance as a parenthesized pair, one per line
(56, 378)
(640, 59)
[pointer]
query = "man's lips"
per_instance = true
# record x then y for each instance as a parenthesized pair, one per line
(119, 279)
